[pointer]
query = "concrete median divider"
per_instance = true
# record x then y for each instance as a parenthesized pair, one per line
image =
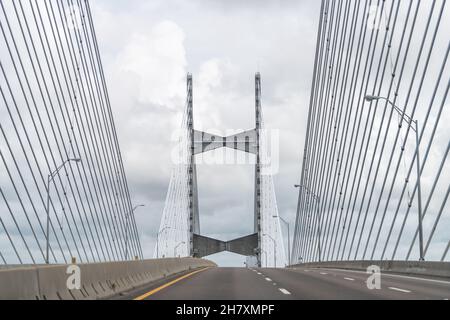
(422, 268)
(97, 280)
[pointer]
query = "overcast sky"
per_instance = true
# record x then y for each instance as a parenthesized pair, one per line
(148, 47)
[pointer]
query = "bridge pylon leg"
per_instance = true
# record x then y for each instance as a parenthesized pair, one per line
(257, 206)
(194, 221)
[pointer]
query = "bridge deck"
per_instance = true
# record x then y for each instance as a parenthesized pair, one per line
(282, 284)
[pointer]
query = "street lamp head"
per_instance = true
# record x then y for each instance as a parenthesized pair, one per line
(297, 186)
(370, 98)
(75, 159)
(136, 207)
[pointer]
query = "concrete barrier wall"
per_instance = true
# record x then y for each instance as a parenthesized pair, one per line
(98, 280)
(424, 268)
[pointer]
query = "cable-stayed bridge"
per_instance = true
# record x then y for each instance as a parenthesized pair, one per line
(374, 178)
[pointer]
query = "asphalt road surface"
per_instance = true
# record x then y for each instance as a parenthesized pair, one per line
(288, 284)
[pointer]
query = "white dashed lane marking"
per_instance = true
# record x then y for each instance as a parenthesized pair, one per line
(399, 290)
(394, 276)
(268, 279)
(284, 291)
(323, 273)
(349, 279)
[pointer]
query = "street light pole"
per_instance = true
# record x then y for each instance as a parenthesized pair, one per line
(176, 247)
(157, 240)
(419, 194)
(410, 121)
(127, 217)
(50, 178)
(275, 248)
(265, 253)
(289, 237)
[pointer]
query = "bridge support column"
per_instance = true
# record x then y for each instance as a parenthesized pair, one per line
(257, 206)
(194, 221)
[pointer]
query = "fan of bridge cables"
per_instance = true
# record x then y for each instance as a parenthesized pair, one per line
(273, 252)
(173, 236)
(376, 149)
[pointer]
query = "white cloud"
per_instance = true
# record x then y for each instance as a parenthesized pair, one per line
(158, 60)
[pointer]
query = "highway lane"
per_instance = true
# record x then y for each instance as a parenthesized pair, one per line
(350, 285)
(221, 284)
(288, 284)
